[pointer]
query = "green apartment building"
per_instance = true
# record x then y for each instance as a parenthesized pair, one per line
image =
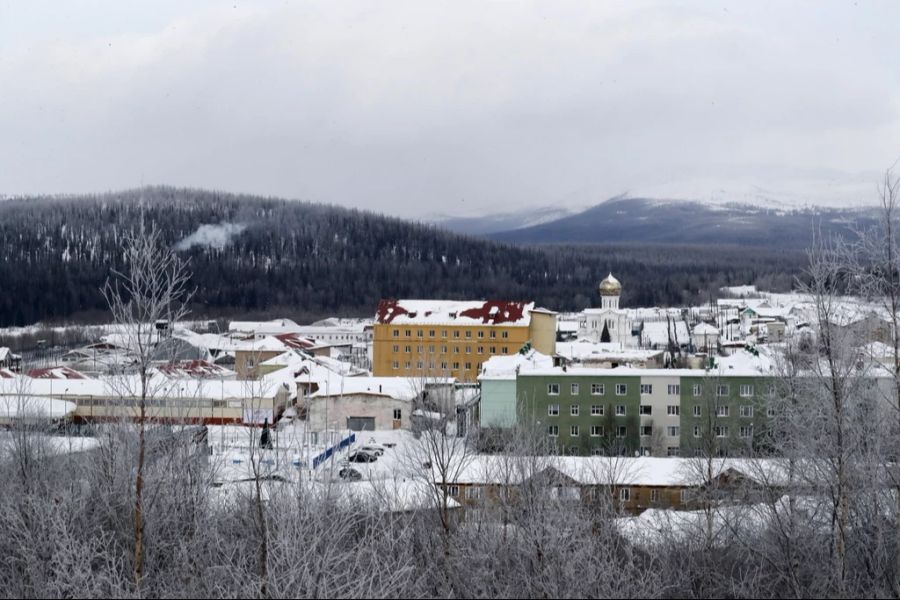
(650, 412)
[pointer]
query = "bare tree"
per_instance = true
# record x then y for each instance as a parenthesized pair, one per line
(151, 291)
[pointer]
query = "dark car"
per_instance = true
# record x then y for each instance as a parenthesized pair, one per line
(362, 457)
(350, 474)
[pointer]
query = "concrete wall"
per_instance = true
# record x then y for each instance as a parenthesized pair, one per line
(340, 408)
(498, 403)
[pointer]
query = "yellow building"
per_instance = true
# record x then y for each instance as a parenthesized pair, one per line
(443, 338)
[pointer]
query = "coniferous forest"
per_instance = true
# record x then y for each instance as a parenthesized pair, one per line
(265, 257)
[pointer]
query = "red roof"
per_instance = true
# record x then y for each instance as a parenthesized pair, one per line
(485, 312)
(56, 373)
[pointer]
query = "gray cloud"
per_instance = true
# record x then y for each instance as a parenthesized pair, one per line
(413, 108)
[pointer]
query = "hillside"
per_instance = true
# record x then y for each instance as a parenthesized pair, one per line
(683, 222)
(261, 257)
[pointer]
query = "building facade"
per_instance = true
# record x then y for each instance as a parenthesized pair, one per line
(438, 339)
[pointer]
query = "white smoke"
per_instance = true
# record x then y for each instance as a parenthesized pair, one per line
(212, 236)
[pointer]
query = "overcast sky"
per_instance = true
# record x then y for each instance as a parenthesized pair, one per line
(417, 108)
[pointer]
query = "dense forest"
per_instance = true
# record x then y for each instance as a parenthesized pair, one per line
(264, 257)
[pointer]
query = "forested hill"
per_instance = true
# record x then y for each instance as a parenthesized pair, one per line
(266, 257)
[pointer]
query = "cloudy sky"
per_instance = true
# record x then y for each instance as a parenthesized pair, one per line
(418, 108)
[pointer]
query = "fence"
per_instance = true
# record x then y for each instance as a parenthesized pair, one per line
(328, 453)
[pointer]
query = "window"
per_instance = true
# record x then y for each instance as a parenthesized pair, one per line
(408, 365)
(673, 410)
(553, 430)
(746, 431)
(468, 334)
(625, 494)
(573, 410)
(770, 412)
(721, 431)
(396, 347)
(395, 364)
(722, 390)
(696, 431)
(407, 349)
(473, 493)
(456, 334)
(456, 350)
(683, 495)
(746, 391)
(553, 410)
(505, 349)
(493, 349)
(398, 413)
(480, 349)
(621, 389)
(431, 348)
(431, 333)
(396, 333)
(480, 334)
(654, 495)
(645, 409)
(553, 389)
(596, 410)
(573, 431)
(596, 452)
(722, 410)
(620, 410)
(596, 430)
(443, 333)
(646, 430)
(419, 348)
(444, 365)
(621, 431)
(420, 364)
(698, 411)
(504, 334)
(468, 366)
(646, 388)
(443, 349)
(420, 333)
(673, 431)
(598, 389)
(673, 389)
(697, 390)
(746, 411)
(468, 349)
(454, 491)
(574, 389)
(493, 334)
(673, 451)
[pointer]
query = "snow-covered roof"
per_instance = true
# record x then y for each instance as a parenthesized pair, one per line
(704, 329)
(656, 333)
(585, 349)
(452, 312)
(398, 388)
(506, 366)
(275, 326)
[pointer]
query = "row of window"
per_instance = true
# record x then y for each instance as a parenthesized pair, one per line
(444, 350)
(492, 334)
(444, 366)
(597, 410)
(720, 431)
(596, 431)
(597, 389)
(723, 431)
(672, 389)
(475, 493)
(672, 410)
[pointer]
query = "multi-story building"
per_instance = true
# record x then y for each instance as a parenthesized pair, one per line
(442, 338)
(648, 412)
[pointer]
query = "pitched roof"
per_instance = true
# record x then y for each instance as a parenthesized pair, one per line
(453, 312)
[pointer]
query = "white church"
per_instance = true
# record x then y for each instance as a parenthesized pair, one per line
(609, 323)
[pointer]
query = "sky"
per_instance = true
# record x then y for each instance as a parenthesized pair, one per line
(418, 109)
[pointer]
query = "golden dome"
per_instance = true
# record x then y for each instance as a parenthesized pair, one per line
(610, 286)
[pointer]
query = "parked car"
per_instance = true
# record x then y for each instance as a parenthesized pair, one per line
(362, 457)
(373, 449)
(350, 474)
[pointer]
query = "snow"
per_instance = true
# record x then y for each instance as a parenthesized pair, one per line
(25, 406)
(506, 367)
(451, 312)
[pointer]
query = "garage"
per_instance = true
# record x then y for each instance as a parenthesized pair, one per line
(361, 423)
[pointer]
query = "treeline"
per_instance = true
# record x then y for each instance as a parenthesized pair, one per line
(306, 260)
